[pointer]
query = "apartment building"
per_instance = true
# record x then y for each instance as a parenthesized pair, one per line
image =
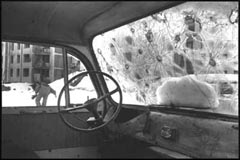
(30, 63)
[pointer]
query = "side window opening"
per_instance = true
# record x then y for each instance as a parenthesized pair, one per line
(23, 68)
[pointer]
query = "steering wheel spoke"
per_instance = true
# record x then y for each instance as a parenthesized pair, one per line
(75, 107)
(106, 95)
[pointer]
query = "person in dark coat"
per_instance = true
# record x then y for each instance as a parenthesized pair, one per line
(42, 91)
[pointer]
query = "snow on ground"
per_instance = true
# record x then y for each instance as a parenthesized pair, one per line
(21, 93)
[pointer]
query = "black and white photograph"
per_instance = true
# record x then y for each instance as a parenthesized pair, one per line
(119, 79)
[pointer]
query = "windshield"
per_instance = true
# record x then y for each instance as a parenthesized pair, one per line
(184, 56)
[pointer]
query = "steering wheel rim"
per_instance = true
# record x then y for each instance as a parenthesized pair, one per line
(103, 97)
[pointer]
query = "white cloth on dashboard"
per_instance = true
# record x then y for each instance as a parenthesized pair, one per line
(187, 91)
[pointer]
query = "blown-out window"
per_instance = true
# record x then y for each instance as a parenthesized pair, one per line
(27, 58)
(185, 56)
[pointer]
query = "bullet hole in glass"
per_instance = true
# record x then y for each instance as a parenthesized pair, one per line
(140, 51)
(99, 51)
(111, 45)
(137, 76)
(177, 38)
(132, 30)
(149, 36)
(126, 66)
(146, 85)
(159, 58)
(129, 40)
(128, 56)
(212, 62)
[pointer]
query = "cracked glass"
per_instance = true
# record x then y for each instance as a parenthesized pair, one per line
(185, 56)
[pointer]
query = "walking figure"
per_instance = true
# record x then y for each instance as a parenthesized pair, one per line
(42, 90)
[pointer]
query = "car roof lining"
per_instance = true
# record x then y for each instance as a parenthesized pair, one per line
(71, 22)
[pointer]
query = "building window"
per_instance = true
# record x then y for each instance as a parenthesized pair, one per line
(18, 45)
(26, 45)
(58, 50)
(18, 72)
(27, 58)
(58, 61)
(11, 72)
(26, 72)
(58, 73)
(45, 73)
(46, 50)
(11, 59)
(46, 58)
(11, 46)
(18, 58)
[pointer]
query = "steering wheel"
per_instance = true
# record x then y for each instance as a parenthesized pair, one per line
(91, 105)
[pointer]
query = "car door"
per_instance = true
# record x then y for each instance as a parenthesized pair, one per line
(32, 128)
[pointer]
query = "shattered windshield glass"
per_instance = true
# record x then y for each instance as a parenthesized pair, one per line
(185, 56)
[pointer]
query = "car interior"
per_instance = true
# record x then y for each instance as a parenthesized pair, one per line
(119, 79)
